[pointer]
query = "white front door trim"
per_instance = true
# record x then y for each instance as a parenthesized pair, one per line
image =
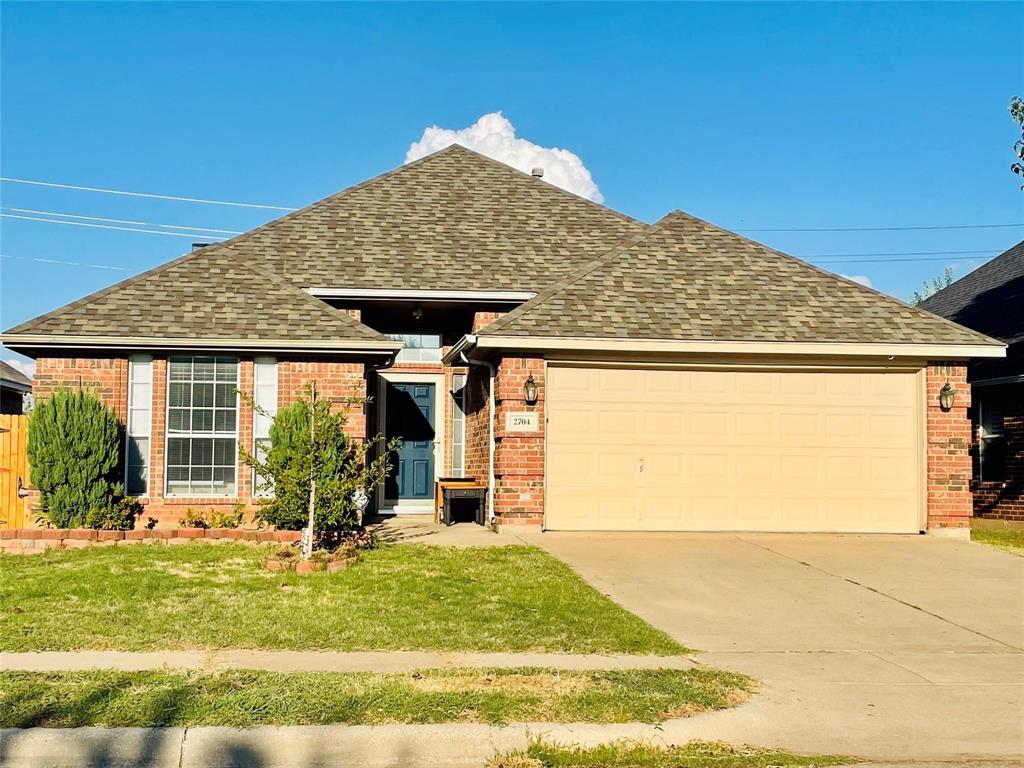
(412, 506)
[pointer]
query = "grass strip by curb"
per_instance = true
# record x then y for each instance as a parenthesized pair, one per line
(399, 597)
(1007, 539)
(631, 754)
(245, 698)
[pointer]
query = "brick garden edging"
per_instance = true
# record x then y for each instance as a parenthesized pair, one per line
(32, 540)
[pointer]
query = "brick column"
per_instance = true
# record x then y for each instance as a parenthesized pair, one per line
(519, 456)
(949, 459)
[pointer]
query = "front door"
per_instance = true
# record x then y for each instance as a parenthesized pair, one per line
(410, 417)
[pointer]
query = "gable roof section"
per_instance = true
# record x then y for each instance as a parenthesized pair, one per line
(686, 279)
(199, 298)
(11, 375)
(990, 299)
(452, 219)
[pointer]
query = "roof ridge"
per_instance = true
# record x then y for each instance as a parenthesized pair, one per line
(578, 274)
(884, 296)
(562, 190)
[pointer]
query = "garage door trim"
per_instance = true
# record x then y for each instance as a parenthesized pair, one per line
(916, 368)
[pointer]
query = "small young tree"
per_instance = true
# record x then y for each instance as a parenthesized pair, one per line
(74, 443)
(308, 447)
(931, 288)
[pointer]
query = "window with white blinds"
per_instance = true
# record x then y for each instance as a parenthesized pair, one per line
(140, 422)
(265, 398)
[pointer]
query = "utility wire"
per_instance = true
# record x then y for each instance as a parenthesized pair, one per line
(123, 221)
(62, 262)
(192, 236)
(284, 208)
(143, 194)
(881, 229)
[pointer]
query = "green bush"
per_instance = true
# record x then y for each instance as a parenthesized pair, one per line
(120, 517)
(341, 466)
(74, 447)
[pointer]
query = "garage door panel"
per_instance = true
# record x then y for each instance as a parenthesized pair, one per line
(732, 450)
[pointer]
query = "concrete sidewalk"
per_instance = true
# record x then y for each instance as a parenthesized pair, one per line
(326, 661)
(334, 746)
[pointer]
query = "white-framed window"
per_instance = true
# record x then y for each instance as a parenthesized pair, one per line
(140, 422)
(265, 397)
(419, 347)
(459, 425)
(202, 426)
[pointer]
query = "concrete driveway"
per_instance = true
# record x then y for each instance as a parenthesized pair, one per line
(889, 647)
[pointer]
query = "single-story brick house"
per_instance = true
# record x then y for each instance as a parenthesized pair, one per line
(596, 372)
(991, 300)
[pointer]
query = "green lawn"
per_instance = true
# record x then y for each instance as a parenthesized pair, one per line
(696, 754)
(245, 698)
(401, 596)
(1009, 539)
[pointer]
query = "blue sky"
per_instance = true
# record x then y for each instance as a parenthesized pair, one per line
(752, 116)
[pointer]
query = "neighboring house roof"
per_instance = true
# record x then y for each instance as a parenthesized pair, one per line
(205, 297)
(12, 376)
(686, 279)
(991, 300)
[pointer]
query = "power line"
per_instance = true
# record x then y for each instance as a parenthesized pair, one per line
(891, 261)
(123, 221)
(62, 262)
(881, 229)
(192, 236)
(285, 208)
(143, 194)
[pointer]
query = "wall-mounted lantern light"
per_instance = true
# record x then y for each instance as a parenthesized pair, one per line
(530, 390)
(946, 396)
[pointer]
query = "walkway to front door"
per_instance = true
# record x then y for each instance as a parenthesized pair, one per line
(410, 417)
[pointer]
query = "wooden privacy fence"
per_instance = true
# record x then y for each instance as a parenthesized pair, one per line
(13, 465)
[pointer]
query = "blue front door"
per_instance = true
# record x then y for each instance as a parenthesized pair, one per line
(410, 417)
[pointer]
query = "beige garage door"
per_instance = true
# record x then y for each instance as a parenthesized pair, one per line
(682, 450)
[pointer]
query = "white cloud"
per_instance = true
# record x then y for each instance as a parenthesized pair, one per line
(862, 279)
(493, 135)
(28, 367)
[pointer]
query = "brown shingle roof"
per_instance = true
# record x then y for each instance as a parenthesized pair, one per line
(685, 279)
(205, 295)
(454, 218)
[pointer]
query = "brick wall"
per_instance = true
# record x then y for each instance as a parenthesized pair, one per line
(478, 434)
(519, 456)
(106, 376)
(948, 449)
(483, 319)
(1004, 499)
(109, 378)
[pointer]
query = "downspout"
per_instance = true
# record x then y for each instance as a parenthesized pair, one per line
(492, 371)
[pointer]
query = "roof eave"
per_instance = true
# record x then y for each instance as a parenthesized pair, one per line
(484, 343)
(325, 346)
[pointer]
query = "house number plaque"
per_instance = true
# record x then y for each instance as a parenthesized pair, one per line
(521, 421)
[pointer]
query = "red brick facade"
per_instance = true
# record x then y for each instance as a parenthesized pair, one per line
(948, 448)
(518, 456)
(519, 461)
(108, 377)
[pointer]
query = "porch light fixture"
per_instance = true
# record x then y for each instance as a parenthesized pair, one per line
(946, 396)
(417, 314)
(530, 390)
